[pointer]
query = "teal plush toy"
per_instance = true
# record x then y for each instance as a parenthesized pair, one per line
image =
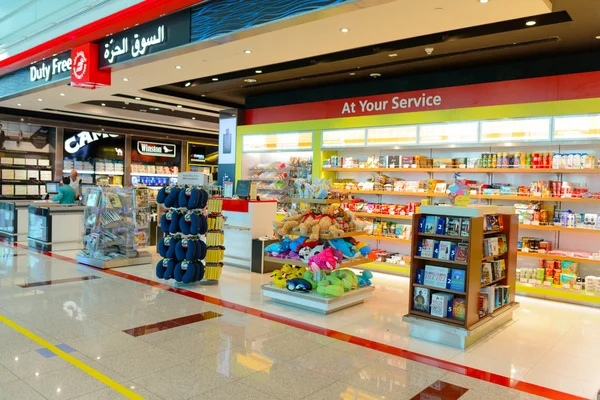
(364, 279)
(347, 277)
(347, 249)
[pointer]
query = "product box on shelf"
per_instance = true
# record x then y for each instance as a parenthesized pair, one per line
(421, 300)
(441, 304)
(436, 276)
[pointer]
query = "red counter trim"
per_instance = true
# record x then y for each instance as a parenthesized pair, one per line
(241, 205)
(535, 90)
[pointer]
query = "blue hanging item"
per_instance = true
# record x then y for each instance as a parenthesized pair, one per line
(172, 200)
(185, 271)
(185, 224)
(186, 250)
(189, 197)
(199, 271)
(165, 221)
(163, 245)
(203, 198)
(174, 226)
(202, 224)
(171, 263)
(161, 267)
(172, 250)
(201, 252)
(162, 194)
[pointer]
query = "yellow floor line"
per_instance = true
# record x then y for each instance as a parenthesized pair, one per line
(67, 357)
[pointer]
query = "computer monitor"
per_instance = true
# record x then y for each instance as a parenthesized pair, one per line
(52, 187)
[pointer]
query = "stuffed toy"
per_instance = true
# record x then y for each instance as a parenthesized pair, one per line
(279, 247)
(363, 248)
(325, 260)
(291, 221)
(165, 221)
(355, 224)
(278, 279)
(331, 286)
(364, 279)
(189, 198)
(172, 199)
(344, 246)
(163, 245)
(308, 276)
(186, 249)
(347, 277)
(299, 285)
(321, 188)
(309, 224)
(175, 218)
(185, 271)
(306, 252)
(327, 221)
(304, 188)
(162, 194)
(161, 267)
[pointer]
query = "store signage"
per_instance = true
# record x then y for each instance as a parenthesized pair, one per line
(162, 34)
(197, 157)
(394, 103)
(85, 73)
(82, 139)
(47, 70)
(157, 149)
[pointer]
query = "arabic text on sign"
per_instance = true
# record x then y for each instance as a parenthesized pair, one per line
(140, 44)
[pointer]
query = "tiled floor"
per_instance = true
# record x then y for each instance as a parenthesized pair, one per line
(242, 355)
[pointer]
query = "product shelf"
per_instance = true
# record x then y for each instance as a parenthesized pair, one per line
(345, 264)
(446, 237)
(328, 237)
(386, 238)
(557, 257)
(153, 175)
(473, 170)
(557, 228)
(317, 201)
(433, 317)
(387, 216)
(536, 198)
(461, 263)
(558, 293)
(440, 289)
(492, 282)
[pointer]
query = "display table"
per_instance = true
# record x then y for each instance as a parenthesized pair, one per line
(13, 219)
(246, 220)
(54, 226)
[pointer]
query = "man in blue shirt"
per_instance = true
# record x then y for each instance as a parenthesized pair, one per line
(66, 194)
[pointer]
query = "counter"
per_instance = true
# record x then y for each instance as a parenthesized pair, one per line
(13, 219)
(246, 220)
(54, 226)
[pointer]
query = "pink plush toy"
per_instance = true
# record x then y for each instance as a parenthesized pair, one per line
(325, 260)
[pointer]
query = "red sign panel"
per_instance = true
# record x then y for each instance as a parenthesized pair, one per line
(84, 70)
(535, 90)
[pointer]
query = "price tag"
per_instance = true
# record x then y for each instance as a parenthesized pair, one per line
(538, 282)
(577, 287)
(533, 281)
(566, 286)
(523, 280)
(463, 166)
(548, 283)
(443, 166)
(406, 166)
(525, 250)
(414, 166)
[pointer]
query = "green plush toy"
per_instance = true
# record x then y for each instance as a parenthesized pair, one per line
(331, 286)
(348, 278)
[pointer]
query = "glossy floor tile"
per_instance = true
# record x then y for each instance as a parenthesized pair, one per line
(162, 345)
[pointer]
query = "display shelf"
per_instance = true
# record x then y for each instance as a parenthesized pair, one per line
(318, 201)
(110, 173)
(38, 167)
(536, 198)
(270, 169)
(440, 289)
(557, 257)
(492, 282)
(461, 263)
(142, 259)
(394, 193)
(316, 302)
(557, 293)
(385, 216)
(386, 238)
(23, 182)
(154, 175)
(272, 189)
(557, 228)
(79, 171)
(498, 311)
(493, 257)
(433, 317)
(345, 264)
(446, 237)
(328, 237)
(472, 170)
(389, 268)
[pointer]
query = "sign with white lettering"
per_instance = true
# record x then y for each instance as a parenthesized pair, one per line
(54, 68)
(394, 103)
(75, 143)
(152, 37)
(156, 149)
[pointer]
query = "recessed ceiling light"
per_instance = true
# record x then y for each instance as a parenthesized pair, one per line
(203, 95)
(103, 105)
(248, 51)
(393, 55)
(530, 23)
(39, 99)
(215, 79)
(178, 67)
(352, 73)
(483, 1)
(155, 108)
(345, 30)
(188, 84)
(258, 71)
(138, 98)
(123, 107)
(249, 80)
(598, 37)
(193, 117)
(22, 119)
(142, 110)
(375, 75)
(125, 79)
(179, 106)
(62, 94)
(19, 104)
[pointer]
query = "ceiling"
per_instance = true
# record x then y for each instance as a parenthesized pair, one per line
(311, 51)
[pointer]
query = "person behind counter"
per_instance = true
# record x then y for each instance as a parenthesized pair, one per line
(66, 194)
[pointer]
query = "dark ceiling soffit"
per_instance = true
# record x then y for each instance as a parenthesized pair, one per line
(189, 96)
(166, 103)
(171, 111)
(61, 120)
(419, 41)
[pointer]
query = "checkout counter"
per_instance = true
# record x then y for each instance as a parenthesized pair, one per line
(14, 219)
(54, 226)
(246, 220)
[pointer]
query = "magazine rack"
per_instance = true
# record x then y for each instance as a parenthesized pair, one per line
(452, 249)
(117, 226)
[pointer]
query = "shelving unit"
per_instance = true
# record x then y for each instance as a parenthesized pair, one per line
(590, 171)
(557, 257)
(444, 329)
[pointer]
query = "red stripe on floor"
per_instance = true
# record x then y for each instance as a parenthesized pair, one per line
(56, 281)
(171, 323)
(409, 355)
